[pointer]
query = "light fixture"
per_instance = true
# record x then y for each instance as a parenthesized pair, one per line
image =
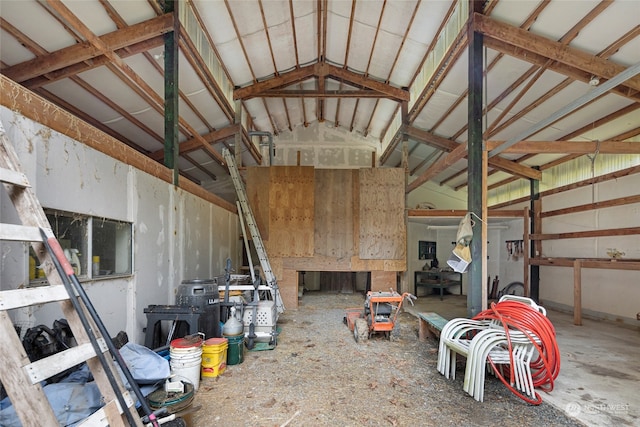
(455, 227)
(594, 81)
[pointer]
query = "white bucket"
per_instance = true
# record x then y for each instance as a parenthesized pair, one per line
(186, 362)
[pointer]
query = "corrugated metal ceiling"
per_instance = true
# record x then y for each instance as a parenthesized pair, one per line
(334, 63)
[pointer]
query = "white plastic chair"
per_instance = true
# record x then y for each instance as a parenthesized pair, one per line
(454, 340)
(493, 344)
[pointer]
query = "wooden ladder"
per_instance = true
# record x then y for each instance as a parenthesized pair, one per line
(20, 377)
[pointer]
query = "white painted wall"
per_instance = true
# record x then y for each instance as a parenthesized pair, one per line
(177, 235)
(608, 293)
(323, 146)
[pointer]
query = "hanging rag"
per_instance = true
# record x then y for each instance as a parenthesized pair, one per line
(461, 257)
(465, 231)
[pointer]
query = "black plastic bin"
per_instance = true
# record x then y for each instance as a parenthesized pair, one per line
(202, 293)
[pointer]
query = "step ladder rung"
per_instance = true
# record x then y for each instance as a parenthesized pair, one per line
(18, 298)
(12, 177)
(59, 362)
(23, 233)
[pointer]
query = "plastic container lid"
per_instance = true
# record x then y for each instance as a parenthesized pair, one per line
(187, 342)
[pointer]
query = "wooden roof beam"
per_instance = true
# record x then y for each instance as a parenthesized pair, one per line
(195, 144)
(80, 52)
(503, 164)
(458, 153)
(570, 147)
(322, 70)
(549, 49)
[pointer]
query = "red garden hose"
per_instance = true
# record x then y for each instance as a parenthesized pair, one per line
(514, 315)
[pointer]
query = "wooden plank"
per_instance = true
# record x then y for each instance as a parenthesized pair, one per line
(382, 281)
(569, 147)
(628, 231)
(17, 298)
(289, 288)
(551, 49)
(525, 246)
(14, 177)
(319, 263)
(333, 226)
(79, 52)
(46, 368)
(459, 213)
(577, 292)
(592, 206)
(456, 154)
(382, 231)
(19, 233)
(291, 211)
(602, 263)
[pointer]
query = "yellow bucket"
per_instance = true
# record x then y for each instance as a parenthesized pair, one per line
(214, 357)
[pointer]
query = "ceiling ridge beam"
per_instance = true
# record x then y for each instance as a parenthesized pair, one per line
(80, 52)
(322, 70)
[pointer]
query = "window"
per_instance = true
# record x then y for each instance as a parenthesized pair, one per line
(95, 247)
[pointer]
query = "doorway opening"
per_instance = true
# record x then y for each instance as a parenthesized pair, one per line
(335, 282)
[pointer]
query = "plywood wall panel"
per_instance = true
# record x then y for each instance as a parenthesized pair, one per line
(383, 281)
(291, 211)
(382, 231)
(334, 213)
(257, 185)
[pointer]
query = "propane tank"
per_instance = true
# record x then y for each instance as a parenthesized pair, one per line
(232, 326)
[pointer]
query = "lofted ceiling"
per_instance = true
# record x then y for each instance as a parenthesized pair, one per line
(386, 70)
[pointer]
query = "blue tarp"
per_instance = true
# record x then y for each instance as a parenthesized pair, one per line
(77, 396)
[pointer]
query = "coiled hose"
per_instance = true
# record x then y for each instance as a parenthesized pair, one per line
(514, 315)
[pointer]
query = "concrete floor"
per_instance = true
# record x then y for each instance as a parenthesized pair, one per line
(600, 365)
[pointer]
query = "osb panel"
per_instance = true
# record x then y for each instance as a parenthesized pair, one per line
(291, 211)
(382, 281)
(257, 185)
(334, 213)
(382, 224)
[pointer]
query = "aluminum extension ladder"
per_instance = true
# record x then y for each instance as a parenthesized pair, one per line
(246, 211)
(20, 377)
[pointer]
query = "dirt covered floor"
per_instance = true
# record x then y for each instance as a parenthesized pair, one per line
(319, 376)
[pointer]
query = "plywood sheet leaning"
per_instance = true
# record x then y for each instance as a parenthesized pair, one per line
(257, 185)
(291, 211)
(334, 213)
(382, 226)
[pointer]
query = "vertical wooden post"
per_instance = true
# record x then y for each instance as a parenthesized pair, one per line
(485, 215)
(525, 248)
(237, 148)
(577, 292)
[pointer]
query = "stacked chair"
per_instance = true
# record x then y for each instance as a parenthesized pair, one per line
(513, 340)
